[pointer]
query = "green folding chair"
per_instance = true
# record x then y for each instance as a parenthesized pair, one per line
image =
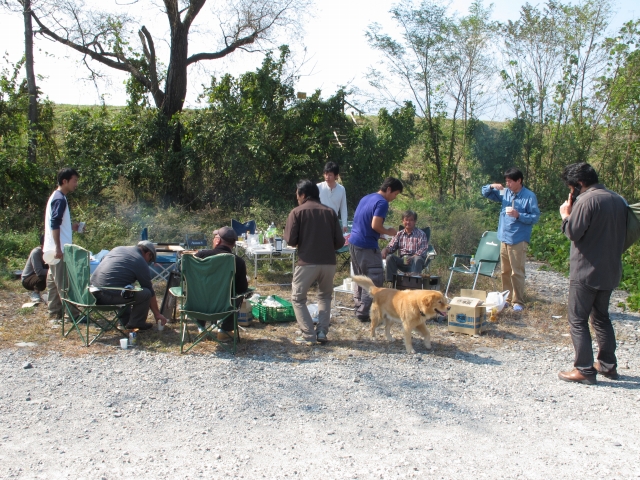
(79, 304)
(207, 294)
(487, 258)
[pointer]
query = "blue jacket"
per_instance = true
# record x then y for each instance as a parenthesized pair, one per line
(515, 230)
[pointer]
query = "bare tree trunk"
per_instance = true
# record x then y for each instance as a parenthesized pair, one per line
(31, 83)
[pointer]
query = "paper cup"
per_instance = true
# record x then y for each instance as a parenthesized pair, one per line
(50, 257)
(160, 326)
(509, 209)
(124, 343)
(81, 226)
(502, 192)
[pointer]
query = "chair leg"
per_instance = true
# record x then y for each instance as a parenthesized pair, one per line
(477, 273)
(450, 275)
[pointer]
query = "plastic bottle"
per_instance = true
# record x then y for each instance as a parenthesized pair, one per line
(271, 231)
(472, 262)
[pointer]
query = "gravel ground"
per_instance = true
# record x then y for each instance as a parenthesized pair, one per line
(484, 413)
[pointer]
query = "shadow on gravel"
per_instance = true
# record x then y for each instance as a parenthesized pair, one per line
(624, 317)
(627, 382)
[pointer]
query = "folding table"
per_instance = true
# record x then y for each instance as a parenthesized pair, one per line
(264, 252)
(167, 255)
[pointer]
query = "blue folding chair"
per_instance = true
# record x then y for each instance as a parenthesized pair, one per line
(241, 228)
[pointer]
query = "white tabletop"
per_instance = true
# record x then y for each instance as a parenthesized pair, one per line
(263, 248)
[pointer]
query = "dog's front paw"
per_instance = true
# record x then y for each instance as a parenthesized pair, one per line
(389, 338)
(411, 351)
(427, 345)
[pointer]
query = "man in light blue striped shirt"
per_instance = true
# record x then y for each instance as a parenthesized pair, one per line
(518, 215)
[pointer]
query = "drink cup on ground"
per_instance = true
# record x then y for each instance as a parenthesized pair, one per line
(160, 326)
(124, 343)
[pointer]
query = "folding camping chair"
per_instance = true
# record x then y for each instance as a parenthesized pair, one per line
(78, 301)
(241, 228)
(487, 257)
(207, 294)
(343, 255)
(194, 241)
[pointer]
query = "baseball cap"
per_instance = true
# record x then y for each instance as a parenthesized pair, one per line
(226, 233)
(149, 246)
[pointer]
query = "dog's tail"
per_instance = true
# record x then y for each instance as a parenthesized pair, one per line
(366, 283)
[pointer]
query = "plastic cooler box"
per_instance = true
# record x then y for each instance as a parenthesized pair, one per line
(281, 314)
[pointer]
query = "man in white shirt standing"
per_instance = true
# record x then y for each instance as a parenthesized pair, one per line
(58, 230)
(332, 194)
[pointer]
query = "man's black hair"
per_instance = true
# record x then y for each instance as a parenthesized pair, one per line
(66, 174)
(308, 189)
(514, 174)
(331, 167)
(394, 183)
(410, 213)
(579, 172)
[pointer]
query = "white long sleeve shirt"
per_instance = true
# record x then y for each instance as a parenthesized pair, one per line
(335, 198)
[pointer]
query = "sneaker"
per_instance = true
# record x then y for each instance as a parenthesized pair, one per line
(224, 336)
(35, 297)
(518, 308)
(322, 337)
(303, 341)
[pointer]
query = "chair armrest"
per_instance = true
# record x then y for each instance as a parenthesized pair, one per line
(93, 289)
(459, 255)
(487, 261)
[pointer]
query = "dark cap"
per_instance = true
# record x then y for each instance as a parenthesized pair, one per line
(147, 245)
(227, 234)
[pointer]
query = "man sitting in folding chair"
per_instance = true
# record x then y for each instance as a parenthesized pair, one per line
(123, 266)
(224, 241)
(412, 244)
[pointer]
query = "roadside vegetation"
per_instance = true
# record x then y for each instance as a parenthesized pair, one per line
(240, 154)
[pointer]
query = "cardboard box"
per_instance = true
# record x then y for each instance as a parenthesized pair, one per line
(245, 315)
(468, 314)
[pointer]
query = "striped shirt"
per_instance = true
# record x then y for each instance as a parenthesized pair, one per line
(414, 243)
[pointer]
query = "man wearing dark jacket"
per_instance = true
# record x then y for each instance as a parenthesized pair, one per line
(596, 224)
(315, 230)
(224, 239)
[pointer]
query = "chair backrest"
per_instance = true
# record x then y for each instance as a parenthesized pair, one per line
(488, 249)
(77, 275)
(427, 232)
(209, 283)
(241, 228)
(195, 240)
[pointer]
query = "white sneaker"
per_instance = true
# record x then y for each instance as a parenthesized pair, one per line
(35, 297)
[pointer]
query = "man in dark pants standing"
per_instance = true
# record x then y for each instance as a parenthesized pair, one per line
(596, 224)
(368, 225)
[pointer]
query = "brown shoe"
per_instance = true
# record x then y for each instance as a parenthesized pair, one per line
(612, 374)
(224, 336)
(577, 377)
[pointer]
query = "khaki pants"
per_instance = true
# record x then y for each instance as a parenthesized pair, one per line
(303, 278)
(512, 260)
(54, 285)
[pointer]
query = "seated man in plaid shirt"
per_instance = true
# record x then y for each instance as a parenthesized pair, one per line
(412, 243)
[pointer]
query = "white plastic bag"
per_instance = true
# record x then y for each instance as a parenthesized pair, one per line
(313, 311)
(497, 300)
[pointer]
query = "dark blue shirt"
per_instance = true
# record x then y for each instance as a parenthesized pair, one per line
(362, 235)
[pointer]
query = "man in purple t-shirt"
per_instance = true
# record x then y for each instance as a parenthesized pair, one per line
(368, 225)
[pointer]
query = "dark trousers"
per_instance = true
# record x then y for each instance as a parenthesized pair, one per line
(415, 265)
(227, 323)
(367, 262)
(35, 283)
(135, 314)
(585, 302)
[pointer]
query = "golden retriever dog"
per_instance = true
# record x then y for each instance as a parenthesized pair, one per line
(410, 308)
